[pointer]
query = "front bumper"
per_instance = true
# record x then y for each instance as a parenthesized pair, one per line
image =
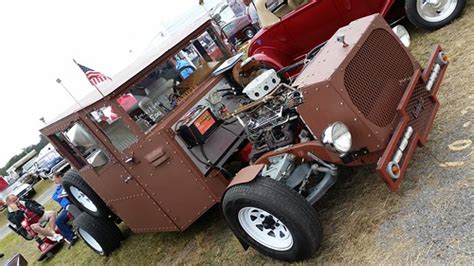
(416, 111)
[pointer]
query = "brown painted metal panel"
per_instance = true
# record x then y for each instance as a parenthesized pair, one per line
(359, 90)
(174, 184)
(127, 199)
(246, 174)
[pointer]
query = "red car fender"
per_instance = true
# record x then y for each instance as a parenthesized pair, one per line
(272, 57)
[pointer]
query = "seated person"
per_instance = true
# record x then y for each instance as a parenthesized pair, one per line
(18, 210)
(184, 68)
(60, 197)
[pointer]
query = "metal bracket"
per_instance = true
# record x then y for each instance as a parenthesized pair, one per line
(354, 155)
(126, 178)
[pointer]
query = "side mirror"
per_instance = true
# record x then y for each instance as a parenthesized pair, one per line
(97, 159)
(79, 137)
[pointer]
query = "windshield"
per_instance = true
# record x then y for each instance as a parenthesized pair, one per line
(228, 28)
(47, 158)
(162, 90)
(28, 166)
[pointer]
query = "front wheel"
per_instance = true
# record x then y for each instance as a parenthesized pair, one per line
(83, 196)
(273, 219)
(433, 14)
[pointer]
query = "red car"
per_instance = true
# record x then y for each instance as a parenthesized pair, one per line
(294, 27)
(239, 30)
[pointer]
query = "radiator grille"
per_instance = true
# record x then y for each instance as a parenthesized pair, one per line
(377, 77)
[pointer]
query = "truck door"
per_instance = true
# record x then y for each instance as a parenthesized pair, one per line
(100, 168)
(153, 168)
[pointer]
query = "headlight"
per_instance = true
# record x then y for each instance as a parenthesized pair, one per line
(403, 34)
(337, 137)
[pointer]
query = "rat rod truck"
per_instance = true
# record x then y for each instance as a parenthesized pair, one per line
(188, 126)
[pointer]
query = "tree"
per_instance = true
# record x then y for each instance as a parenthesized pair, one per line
(37, 147)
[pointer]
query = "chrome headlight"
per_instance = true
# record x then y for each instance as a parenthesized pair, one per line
(403, 34)
(337, 138)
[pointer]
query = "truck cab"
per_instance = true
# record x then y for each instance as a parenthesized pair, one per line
(137, 145)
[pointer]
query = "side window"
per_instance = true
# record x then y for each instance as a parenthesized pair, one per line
(283, 7)
(162, 89)
(113, 126)
(81, 147)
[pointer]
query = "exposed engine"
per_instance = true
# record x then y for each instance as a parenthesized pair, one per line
(270, 121)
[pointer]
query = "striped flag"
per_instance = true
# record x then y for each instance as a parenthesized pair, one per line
(94, 77)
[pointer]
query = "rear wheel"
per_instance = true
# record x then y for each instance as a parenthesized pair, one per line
(273, 219)
(249, 33)
(101, 235)
(83, 196)
(433, 14)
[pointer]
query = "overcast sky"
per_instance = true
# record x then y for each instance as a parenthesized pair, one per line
(39, 39)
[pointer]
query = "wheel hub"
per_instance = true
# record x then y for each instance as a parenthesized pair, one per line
(83, 199)
(269, 222)
(436, 10)
(265, 228)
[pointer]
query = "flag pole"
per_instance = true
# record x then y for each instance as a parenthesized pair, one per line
(95, 86)
(59, 81)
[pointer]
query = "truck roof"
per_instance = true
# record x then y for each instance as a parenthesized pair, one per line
(172, 40)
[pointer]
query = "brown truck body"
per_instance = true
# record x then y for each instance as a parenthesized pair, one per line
(155, 180)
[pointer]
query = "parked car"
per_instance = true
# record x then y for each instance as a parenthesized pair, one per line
(295, 27)
(49, 162)
(267, 152)
(239, 30)
(29, 172)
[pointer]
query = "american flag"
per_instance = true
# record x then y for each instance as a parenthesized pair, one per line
(94, 77)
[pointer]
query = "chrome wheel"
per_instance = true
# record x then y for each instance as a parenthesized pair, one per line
(91, 241)
(249, 33)
(265, 228)
(83, 199)
(435, 10)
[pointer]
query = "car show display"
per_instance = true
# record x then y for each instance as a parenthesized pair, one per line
(201, 127)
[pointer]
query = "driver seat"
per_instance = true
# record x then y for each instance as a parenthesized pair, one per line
(295, 4)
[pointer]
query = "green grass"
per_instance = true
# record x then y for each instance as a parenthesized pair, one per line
(42, 186)
(3, 218)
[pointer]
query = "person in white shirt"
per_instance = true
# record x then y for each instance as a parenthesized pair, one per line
(252, 13)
